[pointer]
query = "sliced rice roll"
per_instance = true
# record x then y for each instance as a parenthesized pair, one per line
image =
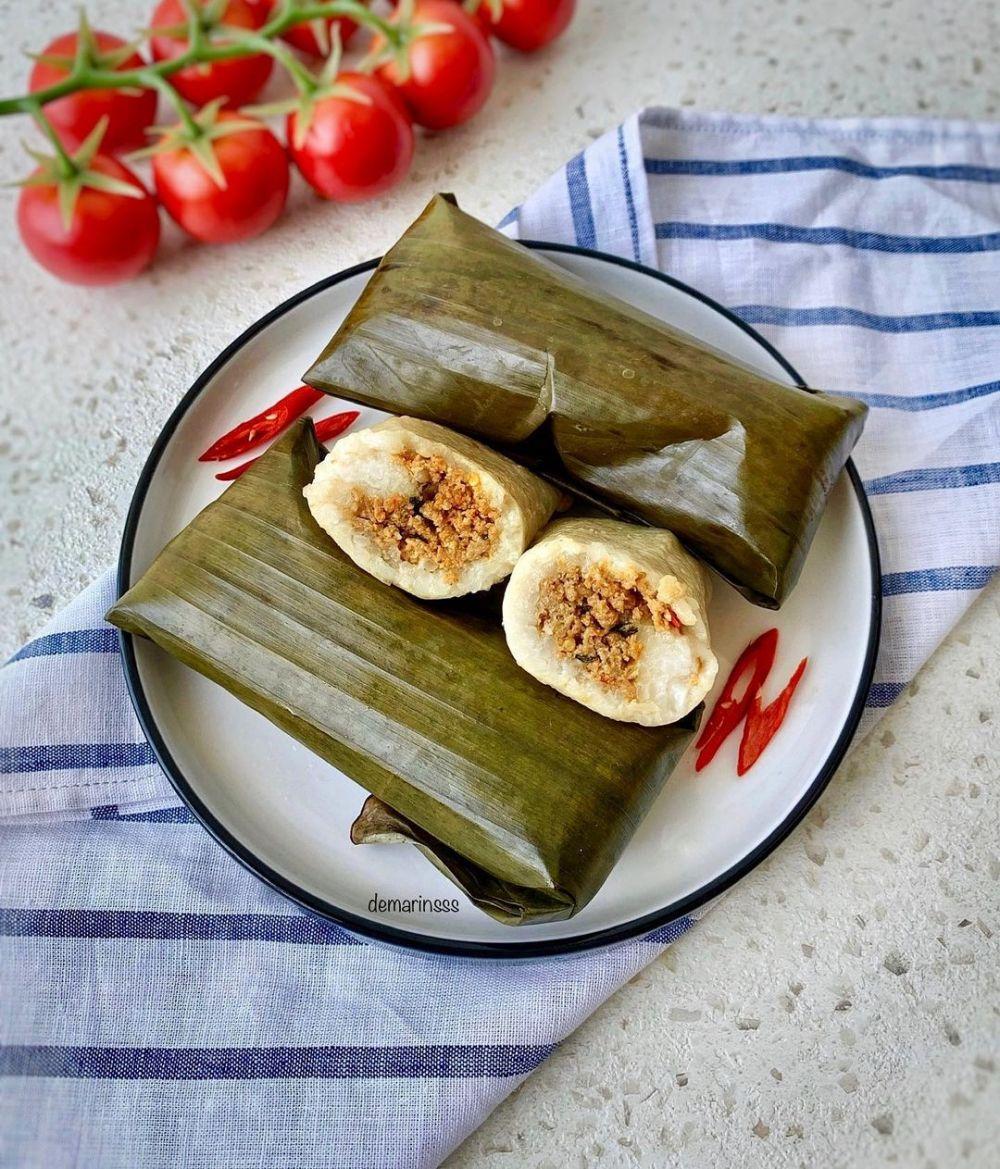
(614, 616)
(426, 509)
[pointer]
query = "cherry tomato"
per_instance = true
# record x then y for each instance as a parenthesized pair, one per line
(484, 18)
(451, 73)
(352, 151)
(303, 36)
(480, 15)
(110, 237)
(238, 80)
(529, 24)
(255, 168)
(128, 113)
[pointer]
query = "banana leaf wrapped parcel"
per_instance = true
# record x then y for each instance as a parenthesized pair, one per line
(523, 797)
(460, 325)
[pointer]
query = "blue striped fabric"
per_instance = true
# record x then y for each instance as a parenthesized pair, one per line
(670, 932)
(580, 202)
(934, 479)
(701, 167)
(883, 240)
(156, 926)
(73, 757)
(178, 815)
(771, 314)
(70, 641)
(883, 694)
(935, 401)
(422, 1062)
(633, 218)
(937, 580)
(156, 1001)
(790, 233)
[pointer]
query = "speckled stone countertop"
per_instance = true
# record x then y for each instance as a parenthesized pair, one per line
(840, 1008)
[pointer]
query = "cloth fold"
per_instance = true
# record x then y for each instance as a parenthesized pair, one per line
(159, 1006)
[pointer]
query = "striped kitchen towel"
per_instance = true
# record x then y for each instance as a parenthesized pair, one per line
(160, 1007)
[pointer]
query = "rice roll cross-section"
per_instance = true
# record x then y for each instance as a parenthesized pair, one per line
(426, 509)
(614, 616)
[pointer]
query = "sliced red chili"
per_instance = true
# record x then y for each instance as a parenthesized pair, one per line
(262, 427)
(326, 429)
(236, 472)
(728, 712)
(763, 722)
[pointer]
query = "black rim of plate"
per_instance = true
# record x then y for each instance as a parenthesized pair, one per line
(455, 947)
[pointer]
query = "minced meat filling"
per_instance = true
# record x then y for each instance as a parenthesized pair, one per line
(595, 617)
(446, 524)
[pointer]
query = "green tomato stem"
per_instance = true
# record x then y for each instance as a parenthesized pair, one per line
(305, 83)
(67, 167)
(201, 51)
(163, 87)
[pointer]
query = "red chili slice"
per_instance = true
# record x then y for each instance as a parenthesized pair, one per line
(763, 722)
(236, 472)
(326, 429)
(728, 712)
(262, 427)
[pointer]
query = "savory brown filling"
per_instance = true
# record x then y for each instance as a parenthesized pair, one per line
(595, 617)
(446, 524)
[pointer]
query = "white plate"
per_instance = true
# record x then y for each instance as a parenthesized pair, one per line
(285, 813)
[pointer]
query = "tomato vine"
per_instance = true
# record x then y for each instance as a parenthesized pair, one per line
(201, 50)
(349, 133)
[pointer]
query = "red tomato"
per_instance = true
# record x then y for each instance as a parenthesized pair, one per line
(353, 151)
(451, 73)
(255, 168)
(529, 24)
(238, 80)
(303, 36)
(481, 15)
(110, 237)
(484, 18)
(75, 116)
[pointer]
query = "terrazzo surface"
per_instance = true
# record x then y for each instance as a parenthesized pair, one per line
(840, 1008)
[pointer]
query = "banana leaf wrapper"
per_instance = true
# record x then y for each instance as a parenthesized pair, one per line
(465, 327)
(524, 798)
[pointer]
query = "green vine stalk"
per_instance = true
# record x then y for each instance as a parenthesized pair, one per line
(201, 49)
